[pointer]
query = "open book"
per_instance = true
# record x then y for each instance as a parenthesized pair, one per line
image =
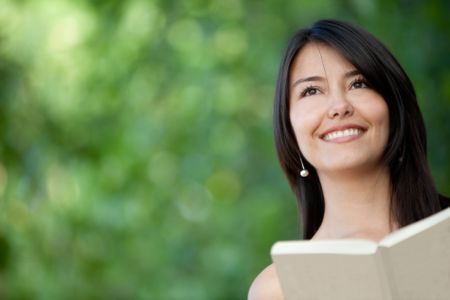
(412, 263)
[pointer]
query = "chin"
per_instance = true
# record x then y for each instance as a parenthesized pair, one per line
(352, 165)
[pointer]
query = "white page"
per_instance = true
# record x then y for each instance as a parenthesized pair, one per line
(418, 267)
(327, 275)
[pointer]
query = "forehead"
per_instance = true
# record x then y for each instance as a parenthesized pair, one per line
(318, 59)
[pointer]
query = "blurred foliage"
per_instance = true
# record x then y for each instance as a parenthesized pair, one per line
(136, 155)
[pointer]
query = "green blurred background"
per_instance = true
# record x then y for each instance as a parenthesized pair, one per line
(136, 155)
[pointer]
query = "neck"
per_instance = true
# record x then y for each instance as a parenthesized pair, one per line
(356, 205)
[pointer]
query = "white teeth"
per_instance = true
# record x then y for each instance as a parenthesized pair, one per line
(341, 133)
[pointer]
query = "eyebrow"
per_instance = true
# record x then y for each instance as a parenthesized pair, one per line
(319, 78)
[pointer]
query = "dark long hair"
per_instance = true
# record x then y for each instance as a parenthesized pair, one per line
(414, 195)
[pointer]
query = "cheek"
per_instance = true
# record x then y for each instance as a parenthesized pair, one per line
(299, 121)
(381, 117)
(304, 121)
(378, 115)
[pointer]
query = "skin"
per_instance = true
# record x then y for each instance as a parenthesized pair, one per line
(327, 94)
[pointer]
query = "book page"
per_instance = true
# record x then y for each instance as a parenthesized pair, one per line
(322, 270)
(415, 228)
(418, 267)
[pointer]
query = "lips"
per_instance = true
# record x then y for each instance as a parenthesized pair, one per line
(343, 132)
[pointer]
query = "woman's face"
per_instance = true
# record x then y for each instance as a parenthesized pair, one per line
(340, 123)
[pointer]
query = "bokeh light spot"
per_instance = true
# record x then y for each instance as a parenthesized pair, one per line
(224, 185)
(194, 202)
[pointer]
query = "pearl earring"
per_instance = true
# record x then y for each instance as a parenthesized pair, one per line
(303, 172)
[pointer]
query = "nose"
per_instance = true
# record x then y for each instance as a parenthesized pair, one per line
(340, 108)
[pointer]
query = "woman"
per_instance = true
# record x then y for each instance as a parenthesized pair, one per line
(350, 138)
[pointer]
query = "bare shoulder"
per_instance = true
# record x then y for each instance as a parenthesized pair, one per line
(266, 286)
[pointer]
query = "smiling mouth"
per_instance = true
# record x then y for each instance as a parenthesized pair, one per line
(343, 135)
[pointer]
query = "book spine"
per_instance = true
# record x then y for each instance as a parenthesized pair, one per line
(385, 270)
(387, 285)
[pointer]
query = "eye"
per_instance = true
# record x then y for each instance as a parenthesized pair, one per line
(310, 91)
(359, 83)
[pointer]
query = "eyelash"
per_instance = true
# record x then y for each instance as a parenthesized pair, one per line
(308, 89)
(359, 80)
